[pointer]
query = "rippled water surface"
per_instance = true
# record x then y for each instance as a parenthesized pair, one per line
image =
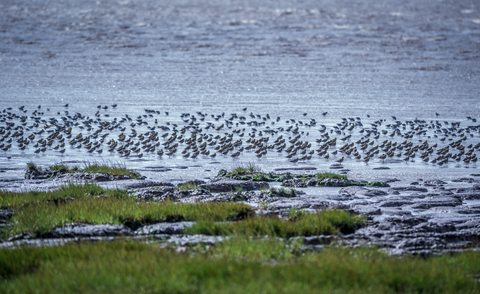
(407, 59)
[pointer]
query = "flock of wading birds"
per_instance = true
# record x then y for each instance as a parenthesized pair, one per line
(204, 135)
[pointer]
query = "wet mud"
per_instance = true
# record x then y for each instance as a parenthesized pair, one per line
(424, 217)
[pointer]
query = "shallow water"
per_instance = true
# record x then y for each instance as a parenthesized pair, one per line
(408, 59)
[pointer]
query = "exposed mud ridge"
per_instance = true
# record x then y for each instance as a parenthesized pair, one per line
(422, 217)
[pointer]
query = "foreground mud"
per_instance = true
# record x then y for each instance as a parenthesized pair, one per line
(421, 217)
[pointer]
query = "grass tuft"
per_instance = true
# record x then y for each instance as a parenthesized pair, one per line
(188, 186)
(282, 192)
(110, 168)
(245, 170)
(19, 200)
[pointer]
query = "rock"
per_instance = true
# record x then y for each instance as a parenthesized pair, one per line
(23, 236)
(291, 182)
(437, 201)
(394, 203)
(194, 182)
(465, 180)
(474, 223)
(434, 183)
(333, 182)
(97, 177)
(356, 190)
(315, 240)
(5, 214)
(295, 168)
(145, 184)
(86, 230)
(159, 193)
(374, 192)
(365, 210)
(392, 160)
(192, 240)
(352, 190)
(389, 180)
(336, 166)
(403, 189)
(226, 185)
(164, 228)
(101, 177)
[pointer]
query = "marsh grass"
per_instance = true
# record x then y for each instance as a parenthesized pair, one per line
(17, 200)
(282, 192)
(44, 217)
(324, 222)
(239, 265)
(188, 186)
(108, 168)
(32, 165)
(40, 212)
(245, 170)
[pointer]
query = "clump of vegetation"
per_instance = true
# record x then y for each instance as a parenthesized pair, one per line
(19, 200)
(32, 165)
(240, 171)
(283, 192)
(324, 222)
(475, 175)
(295, 214)
(376, 184)
(112, 169)
(188, 186)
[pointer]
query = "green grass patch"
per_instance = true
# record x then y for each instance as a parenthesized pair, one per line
(240, 170)
(475, 175)
(282, 192)
(40, 212)
(188, 186)
(32, 165)
(113, 169)
(237, 266)
(324, 222)
(18, 200)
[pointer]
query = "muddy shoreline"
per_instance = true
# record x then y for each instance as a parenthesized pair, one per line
(422, 217)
